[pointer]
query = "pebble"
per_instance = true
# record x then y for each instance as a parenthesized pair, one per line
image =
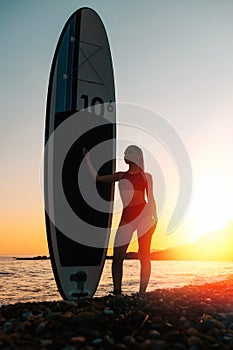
(153, 333)
(26, 315)
(192, 331)
(210, 310)
(218, 324)
(177, 319)
(40, 328)
(108, 312)
(158, 345)
(68, 347)
(119, 346)
(97, 341)
(79, 339)
(85, 316)
(178, 346)
(7, 327)
(108, 339)
(206, 325)
(53, 315)
(193, 340)
(194, 347)
(67, 314)
(172, 336)
(46, 342)
(129, 340)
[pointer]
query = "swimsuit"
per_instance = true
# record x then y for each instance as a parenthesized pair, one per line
(138, 180)
(139, 183)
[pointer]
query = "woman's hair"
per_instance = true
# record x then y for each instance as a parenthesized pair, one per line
(138, 157)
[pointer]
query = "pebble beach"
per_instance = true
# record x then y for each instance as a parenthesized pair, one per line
(191, 317)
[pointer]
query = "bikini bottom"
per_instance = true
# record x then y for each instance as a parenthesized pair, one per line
(130, 213)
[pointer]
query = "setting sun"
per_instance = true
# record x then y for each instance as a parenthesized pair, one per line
(213, 202)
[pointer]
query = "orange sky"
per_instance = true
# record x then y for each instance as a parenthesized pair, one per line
(29, 237)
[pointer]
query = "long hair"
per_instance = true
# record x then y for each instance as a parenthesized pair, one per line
(138, 158)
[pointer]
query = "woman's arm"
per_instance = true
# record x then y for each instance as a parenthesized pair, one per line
(100, 178)
(150, 196)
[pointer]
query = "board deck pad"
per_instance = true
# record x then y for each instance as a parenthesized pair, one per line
(81, 89)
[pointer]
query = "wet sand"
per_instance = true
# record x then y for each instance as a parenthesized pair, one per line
(192, 317)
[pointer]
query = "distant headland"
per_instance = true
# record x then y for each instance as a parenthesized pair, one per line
(39, 257)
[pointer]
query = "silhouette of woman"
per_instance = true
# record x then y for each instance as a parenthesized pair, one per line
(139, 213)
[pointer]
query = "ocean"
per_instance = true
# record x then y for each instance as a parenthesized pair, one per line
(33, 280)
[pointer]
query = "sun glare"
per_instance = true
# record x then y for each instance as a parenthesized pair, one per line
(213, 203)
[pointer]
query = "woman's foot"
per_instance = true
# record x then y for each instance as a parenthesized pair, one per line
(116, 292)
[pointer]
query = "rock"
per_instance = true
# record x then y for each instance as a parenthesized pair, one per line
(20, 328)
(26, 315)
(108, 339)
(218, 324)
(85, 316)
(153, 334)
(178, 346)
(108, 312)
(68, 347)
(194, 347)
(46, 342)
(228, 339)
(171, 336)
(187, 324)
(7, 327)
(206, 325)
(2, 319)
(192, 331)
(160, 320)
(129, 340)
(40, 328)
(119, 346)
(193, 340)
(53, 315)
(67, 314)
(144, 345)
(158, 345)
(91, 333)
(210, 310)
(97, 341)
(78, 339)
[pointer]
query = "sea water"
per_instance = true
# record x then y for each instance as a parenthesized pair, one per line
(33, 280)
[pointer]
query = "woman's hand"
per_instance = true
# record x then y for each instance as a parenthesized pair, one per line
(84, 151)
(86, 154)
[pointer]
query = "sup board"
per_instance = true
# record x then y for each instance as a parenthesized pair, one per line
(80, 114)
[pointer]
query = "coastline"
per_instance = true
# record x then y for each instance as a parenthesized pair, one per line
(191, 317)
(155, 256)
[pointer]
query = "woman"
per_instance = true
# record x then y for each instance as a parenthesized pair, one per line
(138, 214)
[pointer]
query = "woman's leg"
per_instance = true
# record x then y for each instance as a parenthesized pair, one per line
(119, 255)
(144, 243)
(117, 267)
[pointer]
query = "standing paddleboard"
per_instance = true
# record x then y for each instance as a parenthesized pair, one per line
(80, 113)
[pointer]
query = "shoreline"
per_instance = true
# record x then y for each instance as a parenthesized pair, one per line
(190, 317)
(131, 256)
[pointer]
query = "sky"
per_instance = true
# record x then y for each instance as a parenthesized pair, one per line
(172, 57)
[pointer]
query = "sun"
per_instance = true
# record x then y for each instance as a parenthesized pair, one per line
(213, 202)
